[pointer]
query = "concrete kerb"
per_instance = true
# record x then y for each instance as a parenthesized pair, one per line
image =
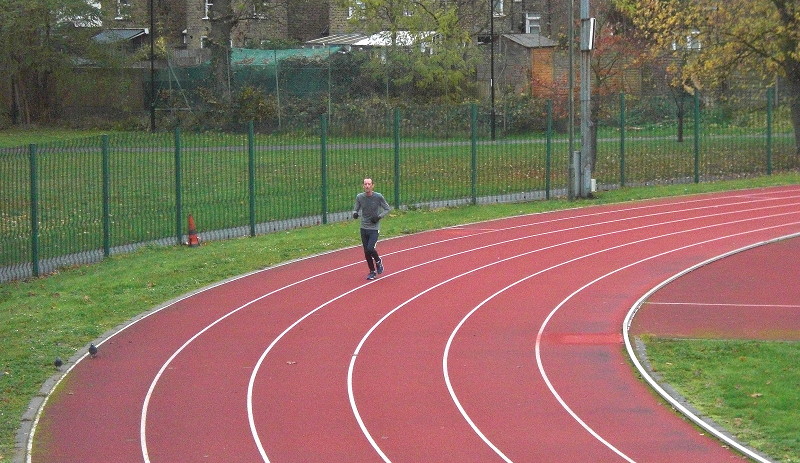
(638, 356)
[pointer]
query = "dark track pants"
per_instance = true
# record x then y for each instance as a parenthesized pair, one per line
(369, 239)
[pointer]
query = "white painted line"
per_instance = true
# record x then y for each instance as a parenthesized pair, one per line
(652, 381)
(721, 304)
(149, 394)
(445, 370)
(544, 375)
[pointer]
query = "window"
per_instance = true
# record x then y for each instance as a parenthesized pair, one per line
(123, 9)
(692, 42)
(209, 4)
(498, 8)
(356, 9)
(533, 23)
(204, 41)
(261, 9)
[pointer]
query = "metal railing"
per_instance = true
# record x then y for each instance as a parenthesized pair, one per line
(76, 202)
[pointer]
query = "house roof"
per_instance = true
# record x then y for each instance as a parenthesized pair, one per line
(119, 35)
(402, 38)
(531, 40)
(337, 39)
(380, 39)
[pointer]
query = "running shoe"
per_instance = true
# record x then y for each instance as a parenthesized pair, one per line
(371, 276)
(380, 266)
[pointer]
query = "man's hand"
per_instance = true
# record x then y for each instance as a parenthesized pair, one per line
(375, 219)
(355, 215)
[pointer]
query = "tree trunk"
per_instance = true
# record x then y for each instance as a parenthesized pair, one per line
(793, 82)
(222, 22)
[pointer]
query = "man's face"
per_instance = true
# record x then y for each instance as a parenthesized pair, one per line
(368, 186)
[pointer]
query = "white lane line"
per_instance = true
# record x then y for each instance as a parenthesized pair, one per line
(34, 425)
(626, 324)
(358, 417)
(463, 321)
(722, 304)
(446, 374)
(145, 408)
(562, 303)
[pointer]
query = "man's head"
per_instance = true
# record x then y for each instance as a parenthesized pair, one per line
(368, 186)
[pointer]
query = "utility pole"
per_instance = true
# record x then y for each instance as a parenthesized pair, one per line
(580, 161)
(574, 158)
(152, 69)
(491, 67)
(587, 147)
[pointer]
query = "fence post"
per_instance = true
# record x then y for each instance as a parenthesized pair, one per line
(251, 175)
(696, 136)
(622, 110)
(323, 122)
(34, 208)
(106, 198)
(549, 151)
(178, 188)
(770, 102)
(474, 151)
(396, 158)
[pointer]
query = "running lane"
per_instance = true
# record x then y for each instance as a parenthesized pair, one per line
(497, 341)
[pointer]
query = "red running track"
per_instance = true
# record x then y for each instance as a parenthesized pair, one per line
(497, 341)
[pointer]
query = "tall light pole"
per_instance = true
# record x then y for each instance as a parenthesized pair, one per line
(587, 147)
(491, 66)
(152, 69)
(574, 159)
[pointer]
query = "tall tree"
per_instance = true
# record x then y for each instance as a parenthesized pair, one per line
(224, 16)
(39, 42)
(429, 42)
(759, 37)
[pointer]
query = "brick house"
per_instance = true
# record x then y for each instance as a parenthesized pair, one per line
(184, 24)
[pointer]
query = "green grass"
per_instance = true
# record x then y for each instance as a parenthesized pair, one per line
(14, 137)
(59, 314)
(750, 388)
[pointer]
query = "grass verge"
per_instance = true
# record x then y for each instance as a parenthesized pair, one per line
(751, 388)
(59, 314)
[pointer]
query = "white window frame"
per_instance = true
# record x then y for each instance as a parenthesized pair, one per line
(692, 42)
(208, 4)
(356, 6)
(259, 14)
(497, 8)
(123, 9)
(533, 21)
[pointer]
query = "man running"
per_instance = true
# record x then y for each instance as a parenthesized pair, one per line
(371, 206)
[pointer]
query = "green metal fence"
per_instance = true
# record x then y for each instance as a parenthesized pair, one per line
(69, 203)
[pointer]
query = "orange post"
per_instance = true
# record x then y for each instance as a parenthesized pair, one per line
(194, 241)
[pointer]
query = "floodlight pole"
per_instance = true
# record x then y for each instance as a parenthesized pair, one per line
(574, 159)
(491, 66)
(587, 147)
(152, 70)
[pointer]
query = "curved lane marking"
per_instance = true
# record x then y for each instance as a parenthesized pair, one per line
(653, 383)
(762, 196)
(446, 374)
(561, 304)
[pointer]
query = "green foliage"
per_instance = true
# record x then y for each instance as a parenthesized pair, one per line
(39, 45)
